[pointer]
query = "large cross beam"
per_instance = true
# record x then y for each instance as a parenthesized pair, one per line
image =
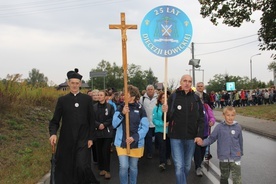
(123, 28)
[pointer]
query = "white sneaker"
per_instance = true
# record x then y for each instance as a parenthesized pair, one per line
(162, 167)
(199, 172)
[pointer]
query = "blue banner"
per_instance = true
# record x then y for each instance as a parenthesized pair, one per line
(166, 31)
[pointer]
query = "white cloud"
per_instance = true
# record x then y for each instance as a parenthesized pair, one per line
(57, 41)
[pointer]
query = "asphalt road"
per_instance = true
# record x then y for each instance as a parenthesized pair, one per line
(149, 173)
(258, 162)
(257, 166)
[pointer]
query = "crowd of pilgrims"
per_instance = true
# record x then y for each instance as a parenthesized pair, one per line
(106, 102)
(100, 118)
(243, 97)
(134, 124)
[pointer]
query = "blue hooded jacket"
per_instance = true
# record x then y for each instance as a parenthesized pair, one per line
(138, 125)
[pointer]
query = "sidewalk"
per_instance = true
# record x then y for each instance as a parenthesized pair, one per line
(259, 126)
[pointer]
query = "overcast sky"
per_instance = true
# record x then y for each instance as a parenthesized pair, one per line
(57, 36)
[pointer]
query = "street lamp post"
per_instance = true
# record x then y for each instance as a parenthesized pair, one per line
(251, 66)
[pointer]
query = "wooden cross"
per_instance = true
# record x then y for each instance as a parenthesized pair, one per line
(123, 28)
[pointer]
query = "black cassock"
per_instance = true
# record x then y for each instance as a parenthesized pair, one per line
(73, 157)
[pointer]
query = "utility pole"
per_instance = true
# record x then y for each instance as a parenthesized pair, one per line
(193, 57)
(197, 70)
(194, 62)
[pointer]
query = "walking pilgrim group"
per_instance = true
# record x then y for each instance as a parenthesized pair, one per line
(92, 121)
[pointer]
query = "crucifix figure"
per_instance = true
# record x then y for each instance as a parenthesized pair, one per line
(123, 28)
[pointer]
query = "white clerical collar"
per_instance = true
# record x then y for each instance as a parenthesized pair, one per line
(75, 94)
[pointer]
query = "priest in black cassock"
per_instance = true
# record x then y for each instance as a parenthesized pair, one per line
(73, 154)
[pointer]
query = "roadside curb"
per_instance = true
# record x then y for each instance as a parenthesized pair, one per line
(259, 132)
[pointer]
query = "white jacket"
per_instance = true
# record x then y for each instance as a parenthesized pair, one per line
(148, 105)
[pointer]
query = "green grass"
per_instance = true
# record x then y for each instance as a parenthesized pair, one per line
(25, 150)
(25, 112)
(263, 111)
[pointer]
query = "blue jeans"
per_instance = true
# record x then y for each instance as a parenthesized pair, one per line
(126, 163)
(182, 153)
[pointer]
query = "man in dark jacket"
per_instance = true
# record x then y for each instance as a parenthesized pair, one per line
(204, 96)
(185, 114)
(73, 155)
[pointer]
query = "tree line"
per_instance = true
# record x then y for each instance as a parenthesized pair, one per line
(141, 78)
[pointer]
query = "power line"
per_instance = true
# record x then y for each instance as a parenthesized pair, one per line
(226, 49)
(228, 40)
(23, 6)
(43, 3)
(47, 6)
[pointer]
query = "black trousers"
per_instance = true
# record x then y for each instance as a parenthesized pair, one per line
(94, 151)
(103, 153)
(164, 147)
(199, 155)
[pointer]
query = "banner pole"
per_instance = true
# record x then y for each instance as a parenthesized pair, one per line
(165, 93)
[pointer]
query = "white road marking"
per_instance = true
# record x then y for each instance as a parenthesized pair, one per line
(211, 176)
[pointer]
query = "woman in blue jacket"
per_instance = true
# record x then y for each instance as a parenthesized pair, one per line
(138, 125)
(163, 145)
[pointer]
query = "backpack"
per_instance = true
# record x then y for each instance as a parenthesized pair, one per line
(173, 99)
(143, 99)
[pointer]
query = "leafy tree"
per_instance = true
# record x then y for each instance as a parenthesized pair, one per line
(136, 76)
(219, 81)
(138, 80)
(216, 84)
(270, 83)
(37, 79)
(235, 12)
(115, 76)
(272, 66)
(150, 78)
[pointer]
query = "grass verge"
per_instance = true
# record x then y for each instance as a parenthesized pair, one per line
(25, 151)
(262, 111)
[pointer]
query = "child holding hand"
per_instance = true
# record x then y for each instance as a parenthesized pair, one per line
(228, 135)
